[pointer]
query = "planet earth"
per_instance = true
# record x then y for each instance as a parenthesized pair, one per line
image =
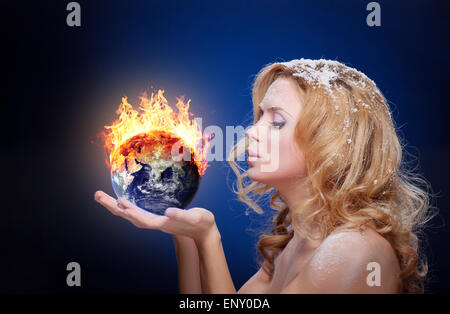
(145, 173)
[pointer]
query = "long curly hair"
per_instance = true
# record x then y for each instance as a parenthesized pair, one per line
(354, 163)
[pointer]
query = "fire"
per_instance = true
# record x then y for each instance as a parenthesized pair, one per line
(156, 122)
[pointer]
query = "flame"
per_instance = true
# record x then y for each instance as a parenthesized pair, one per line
(157, 123)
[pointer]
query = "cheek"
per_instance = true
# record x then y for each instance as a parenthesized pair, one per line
(282, 152)
(292, 161)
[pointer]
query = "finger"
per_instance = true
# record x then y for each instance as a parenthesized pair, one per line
(181, 215)
(125, 204)
(188, 216)
(109, 202)
(173, 212)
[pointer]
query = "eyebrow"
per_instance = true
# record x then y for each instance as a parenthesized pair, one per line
(275, 108)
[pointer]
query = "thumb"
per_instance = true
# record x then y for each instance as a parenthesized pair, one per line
(171, 211)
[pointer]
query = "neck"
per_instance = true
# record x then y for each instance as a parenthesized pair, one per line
(293, 195)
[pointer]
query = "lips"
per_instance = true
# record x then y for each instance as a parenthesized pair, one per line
(252, 156)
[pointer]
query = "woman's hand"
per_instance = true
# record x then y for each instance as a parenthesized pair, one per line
(196, 223)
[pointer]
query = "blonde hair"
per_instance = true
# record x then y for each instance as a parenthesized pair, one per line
(354, 164)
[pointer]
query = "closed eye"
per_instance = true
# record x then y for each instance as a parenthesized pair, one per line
(278, 124)
(278, 121)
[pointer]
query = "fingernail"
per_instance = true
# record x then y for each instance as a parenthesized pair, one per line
(97, 196)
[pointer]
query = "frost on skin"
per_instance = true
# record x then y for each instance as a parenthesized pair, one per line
(340, 260)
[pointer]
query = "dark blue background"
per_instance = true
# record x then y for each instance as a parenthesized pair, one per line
(61, 85)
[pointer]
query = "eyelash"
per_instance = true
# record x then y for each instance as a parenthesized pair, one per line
(275, 124)
(278, 125)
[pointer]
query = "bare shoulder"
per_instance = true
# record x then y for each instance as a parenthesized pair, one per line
(355, 245)
(345, 260)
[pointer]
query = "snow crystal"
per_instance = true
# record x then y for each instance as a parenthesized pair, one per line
(346, 123)
(341, 155)
(324, 73)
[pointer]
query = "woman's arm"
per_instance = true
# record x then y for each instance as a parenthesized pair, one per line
(196, 223)
(188, 265)
(214, 273)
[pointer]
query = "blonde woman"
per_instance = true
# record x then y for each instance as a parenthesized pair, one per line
(324, 146)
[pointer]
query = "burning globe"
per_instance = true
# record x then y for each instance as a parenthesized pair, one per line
(156, 155)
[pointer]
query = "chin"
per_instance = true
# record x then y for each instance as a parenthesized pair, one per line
(275, 179)
(262, 177)
(252, 173)
(255, 174)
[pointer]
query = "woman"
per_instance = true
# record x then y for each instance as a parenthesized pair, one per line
(324, 143)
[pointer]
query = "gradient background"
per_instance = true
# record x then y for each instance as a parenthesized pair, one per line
(61, 85)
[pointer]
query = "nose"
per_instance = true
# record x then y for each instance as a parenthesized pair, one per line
(251, 134)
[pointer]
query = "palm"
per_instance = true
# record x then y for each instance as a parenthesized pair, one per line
(194, 223)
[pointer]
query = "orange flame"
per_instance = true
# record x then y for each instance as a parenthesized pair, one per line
(156, 117)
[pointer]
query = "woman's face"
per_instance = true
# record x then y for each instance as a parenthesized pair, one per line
(273, 155)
